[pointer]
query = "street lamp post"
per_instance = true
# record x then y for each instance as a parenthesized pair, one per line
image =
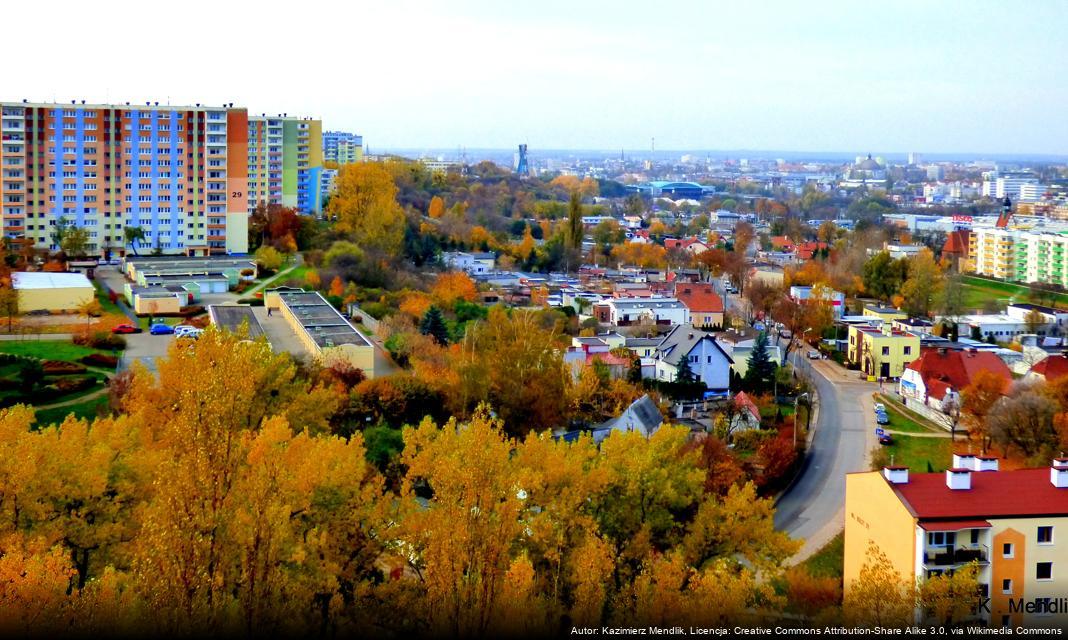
(805, 394)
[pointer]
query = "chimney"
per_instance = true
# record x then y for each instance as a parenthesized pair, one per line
(941, 351)
(985, 463)
(959, 479)
(964, 461)
(1058, 473)
(896, 475)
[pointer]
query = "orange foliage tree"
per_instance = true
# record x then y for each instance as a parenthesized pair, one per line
(453, 286)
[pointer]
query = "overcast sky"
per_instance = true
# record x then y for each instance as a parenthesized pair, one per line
(857, 76)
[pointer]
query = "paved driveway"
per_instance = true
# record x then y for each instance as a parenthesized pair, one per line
(814, 507)
(145, 348)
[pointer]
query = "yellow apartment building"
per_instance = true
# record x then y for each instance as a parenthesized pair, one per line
(882, 351)
(1014, 524)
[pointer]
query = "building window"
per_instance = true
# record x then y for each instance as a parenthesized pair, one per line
(1044, 571)
(941, 538)
(975, 536)
(908, 351)
(1006, 586)
(1007, 550)
(1045, 535)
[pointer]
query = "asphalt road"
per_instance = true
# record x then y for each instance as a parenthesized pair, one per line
(813, 508)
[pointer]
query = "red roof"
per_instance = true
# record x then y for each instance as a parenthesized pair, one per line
(608, 358)
(806, 250)
(782, 242)
(1051, 368)
(954, 525)
(743, 401)
(956, 242)
(994, 494)
(956, 369)
(699, 297)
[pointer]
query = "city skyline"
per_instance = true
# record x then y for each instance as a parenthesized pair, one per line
(833, 77)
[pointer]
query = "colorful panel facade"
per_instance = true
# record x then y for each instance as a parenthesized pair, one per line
(107, 167)
(284, 162)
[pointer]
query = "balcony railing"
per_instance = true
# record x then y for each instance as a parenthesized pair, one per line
(942, 557)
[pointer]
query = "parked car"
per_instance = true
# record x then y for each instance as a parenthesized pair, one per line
(886, 439)
(160, 329)
(880, 407)
(813, 354)
(126, 328)
(182, 328)
(191, 332)
(881, 417)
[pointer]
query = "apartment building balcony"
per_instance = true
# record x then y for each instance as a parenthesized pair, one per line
(943, 558)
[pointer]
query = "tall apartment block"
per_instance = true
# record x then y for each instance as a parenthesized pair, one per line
(285, 160)
(342, 147)
(177, 172)
(1019, 255)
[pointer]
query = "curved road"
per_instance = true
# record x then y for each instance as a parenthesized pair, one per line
(813, 508)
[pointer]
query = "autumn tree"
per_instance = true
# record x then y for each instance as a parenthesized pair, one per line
(950, 598)
(880, 596)
(1025, 420)
(365, 207)
(512, 363)
(923, 286)
(739, 526)
(811, 594)
(90, 308)
(453, 286)
(977, 400)
(269, 258)
(461, 548)
(574, 221)
(436, 209)
(9, 305)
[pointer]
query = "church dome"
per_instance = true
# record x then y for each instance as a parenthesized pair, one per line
(869, 164)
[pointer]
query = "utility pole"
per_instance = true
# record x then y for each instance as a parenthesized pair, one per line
(805, 395)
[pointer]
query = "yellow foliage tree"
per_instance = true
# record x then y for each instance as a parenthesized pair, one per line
(365, 206)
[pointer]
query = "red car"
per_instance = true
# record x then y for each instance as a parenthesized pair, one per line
(126, 328)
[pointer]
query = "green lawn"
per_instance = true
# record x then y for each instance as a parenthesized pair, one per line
(916, 453)
(105, 302)
(827, 562)
(977, 291)
(87, 409)
(901, 419)
(281, 277)
(47, 349)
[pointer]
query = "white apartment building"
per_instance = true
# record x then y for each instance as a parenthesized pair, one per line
(1006, 186)
(1018, 255)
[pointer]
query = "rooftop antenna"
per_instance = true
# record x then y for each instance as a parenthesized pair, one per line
(652, 145)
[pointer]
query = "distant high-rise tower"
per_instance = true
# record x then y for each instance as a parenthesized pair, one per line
(520, 165)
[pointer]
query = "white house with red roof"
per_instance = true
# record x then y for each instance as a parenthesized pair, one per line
(937, 377)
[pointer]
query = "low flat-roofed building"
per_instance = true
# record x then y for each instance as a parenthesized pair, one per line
(49, 291)
(325, 333)
(235, 318)
(159, 300)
